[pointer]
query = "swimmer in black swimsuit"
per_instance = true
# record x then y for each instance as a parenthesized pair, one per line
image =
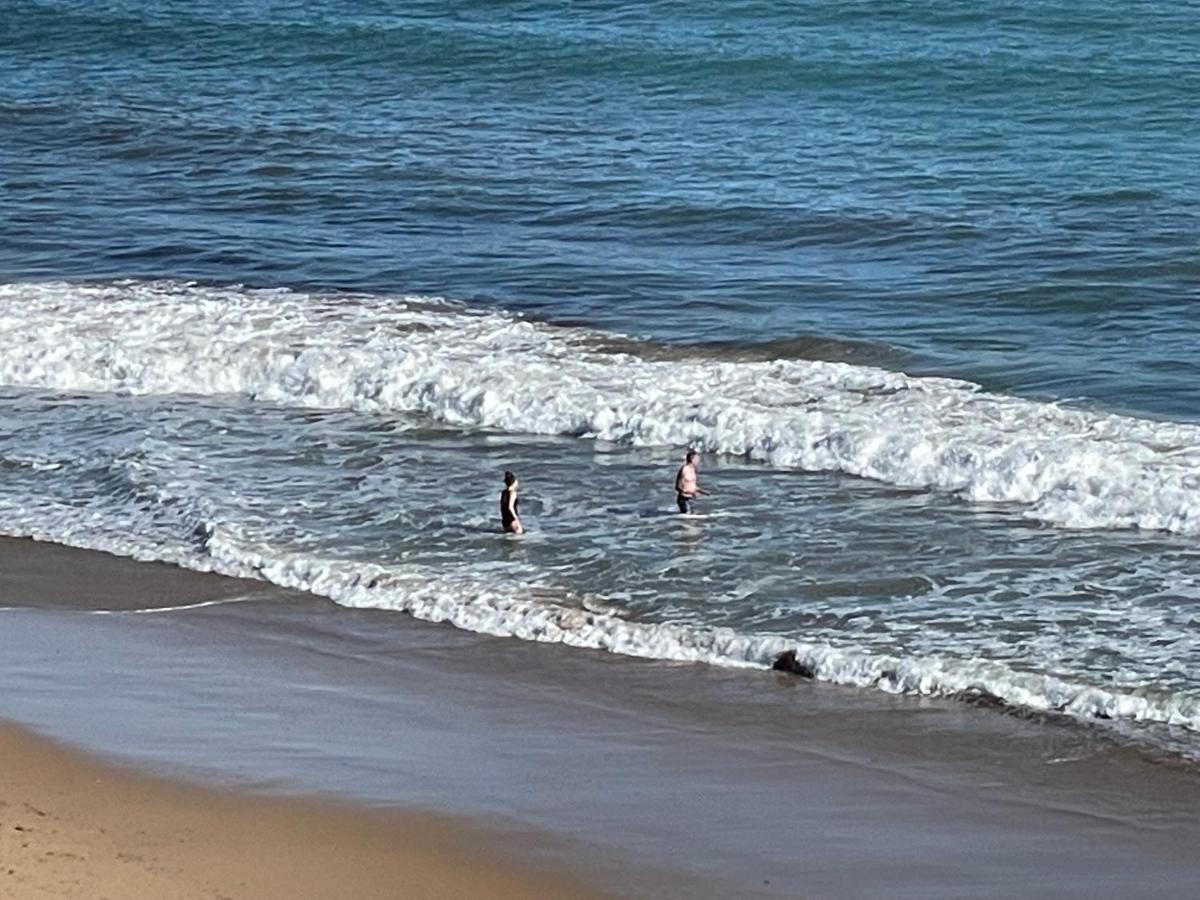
(510, 520)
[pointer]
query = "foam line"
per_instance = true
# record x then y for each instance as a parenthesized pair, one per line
(493, 370)
(523, 608)
(225, 601)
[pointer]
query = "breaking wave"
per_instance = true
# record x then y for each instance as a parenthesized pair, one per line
(493, 370)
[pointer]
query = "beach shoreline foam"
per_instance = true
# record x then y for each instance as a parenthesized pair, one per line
(154, 388)
(740, 782)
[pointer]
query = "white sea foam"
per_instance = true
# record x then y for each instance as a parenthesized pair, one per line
(493, 370)
(186, 607)
(520, 607)
(496, 371)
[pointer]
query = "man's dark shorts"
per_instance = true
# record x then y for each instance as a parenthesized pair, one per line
(684, 502)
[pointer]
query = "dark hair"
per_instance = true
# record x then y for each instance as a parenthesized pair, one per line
(509, 478)
(691, 454)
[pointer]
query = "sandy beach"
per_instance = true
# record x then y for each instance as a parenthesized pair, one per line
(74, 826)
(70, 827)
(464, 763)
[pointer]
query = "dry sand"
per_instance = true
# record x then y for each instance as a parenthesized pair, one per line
(70, 827)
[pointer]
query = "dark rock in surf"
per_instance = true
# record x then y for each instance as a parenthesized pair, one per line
(979, 696)
(201, 535)
(787, 662)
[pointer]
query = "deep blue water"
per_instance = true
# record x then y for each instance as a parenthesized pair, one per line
(1005, 192)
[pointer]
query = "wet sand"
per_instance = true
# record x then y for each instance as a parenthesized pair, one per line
(735, 783)
(44, 575)
(74, 826)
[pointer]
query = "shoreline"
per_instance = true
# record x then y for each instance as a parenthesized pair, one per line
(736, 783)
(77, 822)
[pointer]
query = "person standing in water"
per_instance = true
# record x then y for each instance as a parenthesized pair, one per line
(510, 520)
(687, 487)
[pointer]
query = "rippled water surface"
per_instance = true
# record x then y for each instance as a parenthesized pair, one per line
(1008, 191)
(919, 279)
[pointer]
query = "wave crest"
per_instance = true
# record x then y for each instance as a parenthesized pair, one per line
(493, 370)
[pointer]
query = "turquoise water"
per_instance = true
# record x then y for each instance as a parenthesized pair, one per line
(1006, 191)
(285, 286)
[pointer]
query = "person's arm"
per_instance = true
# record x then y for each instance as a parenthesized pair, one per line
(517, 527)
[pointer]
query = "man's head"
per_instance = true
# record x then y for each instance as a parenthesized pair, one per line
(691, 457)
(510, 479)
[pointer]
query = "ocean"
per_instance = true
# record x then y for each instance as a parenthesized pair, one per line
(285, 287)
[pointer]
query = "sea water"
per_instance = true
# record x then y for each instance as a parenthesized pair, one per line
(287, 286)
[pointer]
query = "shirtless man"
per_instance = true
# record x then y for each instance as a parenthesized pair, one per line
(686, 487)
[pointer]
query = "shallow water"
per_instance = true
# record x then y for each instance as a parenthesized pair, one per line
(353, 448)
(920, 282)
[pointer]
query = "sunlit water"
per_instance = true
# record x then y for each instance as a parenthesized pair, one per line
(919, 280)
